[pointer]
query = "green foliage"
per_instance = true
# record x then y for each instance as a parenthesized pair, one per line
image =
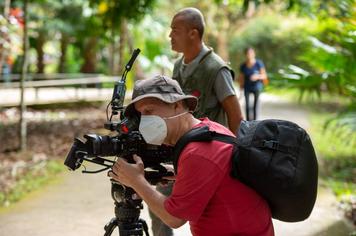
(277, 41)
(73, 59)
(296, 77)
(331, 52)
(112, 12)
(322, 8)
(337, 157)
(155, 46)
(344, 123)
(70, 17)
(330, 57)
(332, 60)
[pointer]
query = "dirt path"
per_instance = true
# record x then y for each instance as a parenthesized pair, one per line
(79, 204)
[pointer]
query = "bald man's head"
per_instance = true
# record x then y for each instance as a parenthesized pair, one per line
(193, 19)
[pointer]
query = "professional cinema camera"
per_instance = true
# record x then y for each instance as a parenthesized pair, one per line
(128, 141)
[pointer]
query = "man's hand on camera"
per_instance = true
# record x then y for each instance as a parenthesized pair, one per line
(126, 173)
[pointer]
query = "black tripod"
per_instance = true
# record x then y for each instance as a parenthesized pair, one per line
(127, 212)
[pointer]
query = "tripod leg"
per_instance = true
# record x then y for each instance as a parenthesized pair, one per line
(109, 227)
(144, 226)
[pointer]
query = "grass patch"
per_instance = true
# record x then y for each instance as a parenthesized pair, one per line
(37, 176)
(337, 154)
(329, 102)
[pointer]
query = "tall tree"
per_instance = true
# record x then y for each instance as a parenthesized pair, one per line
(115, 15)
(23, 124)
(70, 20)
(87, 38)
(42, 17)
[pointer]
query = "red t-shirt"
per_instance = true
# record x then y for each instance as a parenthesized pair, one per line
(213, 202)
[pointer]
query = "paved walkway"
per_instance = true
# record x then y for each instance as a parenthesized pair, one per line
(81, 204)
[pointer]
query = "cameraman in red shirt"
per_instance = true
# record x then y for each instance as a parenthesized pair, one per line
(204, 193)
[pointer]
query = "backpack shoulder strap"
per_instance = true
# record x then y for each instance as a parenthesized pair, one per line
(200, 134)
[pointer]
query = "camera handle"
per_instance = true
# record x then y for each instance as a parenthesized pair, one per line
(118, 97)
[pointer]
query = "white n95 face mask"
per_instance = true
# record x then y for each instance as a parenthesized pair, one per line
(154, 129)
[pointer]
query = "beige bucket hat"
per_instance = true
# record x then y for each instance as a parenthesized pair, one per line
(160, 87)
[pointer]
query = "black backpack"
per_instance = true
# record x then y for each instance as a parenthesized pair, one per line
(276, 158)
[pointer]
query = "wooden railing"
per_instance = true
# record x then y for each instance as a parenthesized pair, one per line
(52, 76)
(59, 82)
(37, 87)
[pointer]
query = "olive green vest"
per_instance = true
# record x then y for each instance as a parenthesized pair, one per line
(201, 84)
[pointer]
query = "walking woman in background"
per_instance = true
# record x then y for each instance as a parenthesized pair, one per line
(251, 79)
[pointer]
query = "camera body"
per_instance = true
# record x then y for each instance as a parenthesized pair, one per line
(129, 141)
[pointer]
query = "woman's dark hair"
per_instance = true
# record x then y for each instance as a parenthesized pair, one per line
(248, 48)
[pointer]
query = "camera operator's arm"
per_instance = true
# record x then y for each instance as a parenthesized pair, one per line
(132, 175)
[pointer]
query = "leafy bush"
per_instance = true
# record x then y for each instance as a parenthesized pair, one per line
(329, 57)
(277, 41)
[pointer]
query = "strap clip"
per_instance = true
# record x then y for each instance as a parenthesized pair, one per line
(271, 144)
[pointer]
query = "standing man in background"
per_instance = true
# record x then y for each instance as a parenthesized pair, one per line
(203, 74)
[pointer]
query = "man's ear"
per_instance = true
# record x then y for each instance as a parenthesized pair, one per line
(193, 33)
(177, 105)
(180, 105)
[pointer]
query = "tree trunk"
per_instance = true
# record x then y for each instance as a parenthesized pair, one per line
(221, 36)
(222, 48)
(89, 56)
(63, 58)
(7, 8)
(41, 40)
(112, 53)
(123, 39)
(23, 125)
